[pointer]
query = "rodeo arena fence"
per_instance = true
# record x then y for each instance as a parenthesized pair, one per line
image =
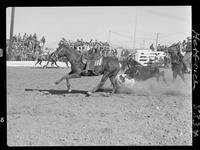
(148, 56)
(25, 50)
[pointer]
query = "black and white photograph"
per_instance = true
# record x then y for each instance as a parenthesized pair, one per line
(1, 52)
(99, 76)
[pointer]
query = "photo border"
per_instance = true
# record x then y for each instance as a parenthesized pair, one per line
(44, 3)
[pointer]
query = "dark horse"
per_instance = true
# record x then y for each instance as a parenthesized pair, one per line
(109, 68)
(177, 64)
(139, 72)
(49, 58)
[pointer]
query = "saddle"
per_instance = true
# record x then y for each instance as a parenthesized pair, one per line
(93, 62)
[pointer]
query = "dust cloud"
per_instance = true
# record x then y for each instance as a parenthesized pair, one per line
(151, 87)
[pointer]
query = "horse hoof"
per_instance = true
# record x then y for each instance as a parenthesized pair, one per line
(89, 93)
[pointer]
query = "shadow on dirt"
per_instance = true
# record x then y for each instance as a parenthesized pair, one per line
(57, 92)
(61, 92)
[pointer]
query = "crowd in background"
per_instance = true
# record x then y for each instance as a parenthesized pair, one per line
(92, 46)
(1, 52)
(24, 48)
(29, 47)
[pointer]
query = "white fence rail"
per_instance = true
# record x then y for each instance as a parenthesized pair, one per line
(30, 64)
(144, 56)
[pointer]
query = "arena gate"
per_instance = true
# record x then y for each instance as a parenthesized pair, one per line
(147, 56)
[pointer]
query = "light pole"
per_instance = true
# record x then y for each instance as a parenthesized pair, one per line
(135, 29)
(11, 29)
(157, 34)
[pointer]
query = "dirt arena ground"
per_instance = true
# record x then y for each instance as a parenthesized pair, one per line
(39, 114)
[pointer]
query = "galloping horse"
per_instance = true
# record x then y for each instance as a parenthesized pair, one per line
(48, 57)
(109, 68)
(177, 64)
(139, 72)
(51, 58)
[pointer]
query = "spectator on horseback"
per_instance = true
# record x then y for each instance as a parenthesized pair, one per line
(184, 45)
(180, 57)
(189, 44)
(34, 36)
(151, 47)
(159, 47)
(188, 54)
(42, 41)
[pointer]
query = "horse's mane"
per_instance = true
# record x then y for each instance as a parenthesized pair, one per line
(70, 48)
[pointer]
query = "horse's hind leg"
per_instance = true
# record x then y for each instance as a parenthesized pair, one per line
(114, 84)
(174, 75)
(102, 82)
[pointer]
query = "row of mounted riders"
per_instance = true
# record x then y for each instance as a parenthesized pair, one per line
(52, 57)
(110, 67)
(92, 53)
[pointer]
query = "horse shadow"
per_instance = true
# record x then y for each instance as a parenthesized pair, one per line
(63, 92)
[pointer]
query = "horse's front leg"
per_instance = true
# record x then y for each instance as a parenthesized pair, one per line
(183, 78)
(45, 66)
(40, 63)
(174, 75)
(67, 77)
(52, 64)
(157, 75)
(56, 64)
(36, 63)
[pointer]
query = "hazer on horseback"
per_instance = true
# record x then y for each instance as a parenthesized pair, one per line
(109, 67)
(46, 56)
(187, 59)
(178, 65)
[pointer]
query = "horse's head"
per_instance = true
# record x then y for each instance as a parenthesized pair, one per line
(174, 52)
(68, 52)
(60, 51)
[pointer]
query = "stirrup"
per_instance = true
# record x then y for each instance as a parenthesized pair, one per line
(95, 73)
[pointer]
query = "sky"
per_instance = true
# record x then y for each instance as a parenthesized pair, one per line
(169, 24)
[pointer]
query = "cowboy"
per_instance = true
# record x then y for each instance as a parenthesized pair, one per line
(189, 44)
(151, 47)
(184, 44)
(159, 47)
(91, 58)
